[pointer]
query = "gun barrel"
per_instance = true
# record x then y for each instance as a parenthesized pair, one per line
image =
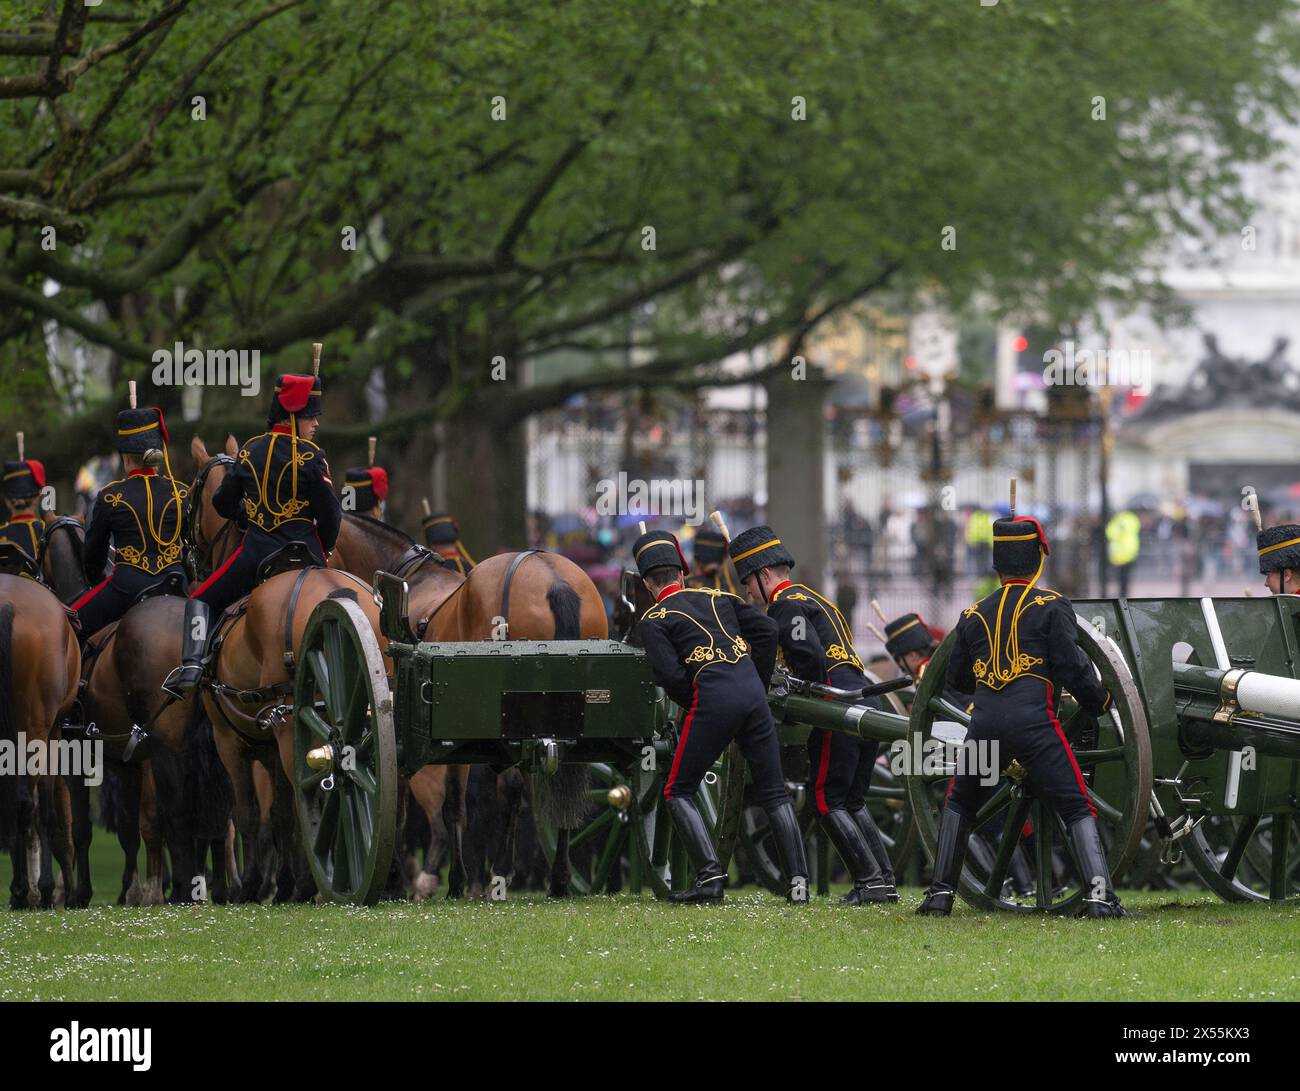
(852, 719)
(1230, 709)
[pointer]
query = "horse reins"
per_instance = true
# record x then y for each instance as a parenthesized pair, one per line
(202, 551)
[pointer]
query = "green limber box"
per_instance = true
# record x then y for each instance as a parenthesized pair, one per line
(492, 701)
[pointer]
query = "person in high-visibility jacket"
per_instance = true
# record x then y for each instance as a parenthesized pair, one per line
(1123, 542)
(979, 539)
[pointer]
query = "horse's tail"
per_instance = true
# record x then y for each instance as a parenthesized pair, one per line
(562, 797)
(111, 814)
(207, 784)
(566, 608)
(8, 725)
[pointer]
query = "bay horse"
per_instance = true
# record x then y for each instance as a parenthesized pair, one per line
(172, 791)
(40, 663)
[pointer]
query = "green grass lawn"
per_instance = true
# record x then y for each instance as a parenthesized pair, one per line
(754, 947)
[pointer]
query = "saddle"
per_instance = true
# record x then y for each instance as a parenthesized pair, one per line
(15, 561)
(271, 696)
(174, 583)
(286, 559)
(92, 649)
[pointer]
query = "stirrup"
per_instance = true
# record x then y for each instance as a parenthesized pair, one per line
(183, 680)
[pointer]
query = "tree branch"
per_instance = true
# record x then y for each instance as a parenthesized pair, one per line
(97, 332)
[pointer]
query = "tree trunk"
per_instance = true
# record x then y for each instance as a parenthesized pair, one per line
(481, 477)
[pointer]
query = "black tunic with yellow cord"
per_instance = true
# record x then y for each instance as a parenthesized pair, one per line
(140, 515)
(280, 490)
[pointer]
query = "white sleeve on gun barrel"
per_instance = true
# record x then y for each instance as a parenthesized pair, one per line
(1270, 694)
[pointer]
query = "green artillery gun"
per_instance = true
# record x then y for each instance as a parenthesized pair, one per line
(1199, 735)
(1216, 764)
(1204, 737)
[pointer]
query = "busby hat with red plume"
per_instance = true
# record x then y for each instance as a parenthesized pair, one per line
(658, 549)
(23, 480)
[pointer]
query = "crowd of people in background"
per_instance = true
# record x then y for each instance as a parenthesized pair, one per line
(1149, 548)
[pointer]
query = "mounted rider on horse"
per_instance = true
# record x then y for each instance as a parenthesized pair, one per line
(140, 516)
(279, 488)
(23, 481)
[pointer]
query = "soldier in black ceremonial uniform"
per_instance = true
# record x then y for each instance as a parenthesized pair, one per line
(1279, 558)
(713, 654)
(442, 535)
(141, 516)
(712, 569)
(818, 647)
(23, 481)
(280, 488)
(1014, 649)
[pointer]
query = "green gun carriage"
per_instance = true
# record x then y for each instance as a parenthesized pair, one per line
(1218, 776)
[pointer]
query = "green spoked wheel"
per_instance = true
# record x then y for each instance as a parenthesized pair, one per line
(1019, 858)
(344, 754)
(603, 843)
(1248, 858)
(657, 857)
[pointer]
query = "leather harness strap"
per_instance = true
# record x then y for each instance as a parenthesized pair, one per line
(519, 559)
(289, 665)
(412, 561)
(423, 623)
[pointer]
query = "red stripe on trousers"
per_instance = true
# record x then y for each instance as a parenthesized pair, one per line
(218, 573)
(823, 767)
(681, 743)
(1078, 774)
(90, 594)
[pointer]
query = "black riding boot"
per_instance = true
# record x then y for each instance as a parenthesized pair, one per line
(868, 883)
(1099, 898)
(699, 847)
(194, 648)
(789, 850)
(876, 844)
(949, 855)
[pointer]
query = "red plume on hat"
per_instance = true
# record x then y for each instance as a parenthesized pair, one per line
(38, 472)
(1038, 528)
(295, 390)
(379, 482)
(685, 567)
(162, 424)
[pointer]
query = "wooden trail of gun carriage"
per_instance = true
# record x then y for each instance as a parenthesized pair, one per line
(346, 697)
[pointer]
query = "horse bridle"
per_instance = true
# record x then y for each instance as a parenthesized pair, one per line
(201, 551)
